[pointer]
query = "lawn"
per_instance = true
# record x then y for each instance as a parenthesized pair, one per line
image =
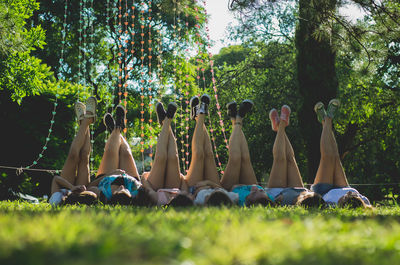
(40, 234)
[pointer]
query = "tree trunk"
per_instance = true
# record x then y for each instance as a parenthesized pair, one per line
(317, 80)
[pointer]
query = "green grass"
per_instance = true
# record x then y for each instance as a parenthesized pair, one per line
(39, 234)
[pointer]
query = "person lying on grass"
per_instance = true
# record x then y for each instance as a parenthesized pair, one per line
(239, 176)
(164, 183)
(117, 181)
(331, 181)
(202, 176)
(75, 175)
(285, 184)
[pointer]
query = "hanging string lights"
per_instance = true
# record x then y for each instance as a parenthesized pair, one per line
(55, 104)
(142, 81)
(150, 81)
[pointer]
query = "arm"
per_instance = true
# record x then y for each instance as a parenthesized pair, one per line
(59, 183)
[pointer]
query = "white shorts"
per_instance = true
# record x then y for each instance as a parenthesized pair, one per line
(202, 194)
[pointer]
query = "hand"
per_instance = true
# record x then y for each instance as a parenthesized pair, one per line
(117, 172)
(78, 188)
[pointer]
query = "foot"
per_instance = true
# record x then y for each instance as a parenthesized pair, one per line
(109, 122)
(285, 114)
(333, 108)
(245, 107)
(171, 109)
(319, 108)
(91, 104)
(232, 109)
(205, 101)
(274, 117)
(194, 103)
(80, 110)
(161, 114)
(120, 117)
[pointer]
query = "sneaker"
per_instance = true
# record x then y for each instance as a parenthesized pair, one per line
(160, 112)
(245, 107)
(285, 114)
(120, 117)
(194, 103)
(80, 110)
(333, 108)
(319, 108)
(109, 122)
(91, 104)
(232, 109)
(274, 117)
(205, 101)
(171, 109)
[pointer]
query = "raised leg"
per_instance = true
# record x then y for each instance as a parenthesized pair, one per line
(278, 175)
(173, 173)
(196, 168)
(110, 160)
(83, 176)
(247, 175)
(156, 176)
(232, 171)
(210, 168)
(326, 167)
(126, 160)
(293, 172)
(69, 170)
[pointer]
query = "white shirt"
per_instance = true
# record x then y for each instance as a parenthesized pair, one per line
(333, 196)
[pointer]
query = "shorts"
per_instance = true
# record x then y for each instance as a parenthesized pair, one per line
(323, 188)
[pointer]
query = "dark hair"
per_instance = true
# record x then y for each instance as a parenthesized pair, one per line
(352, 200)
(81, 198)
(219, 198)
(181, 200)
(310, 200)
(142, 198)
(260, 201)
(120, 198)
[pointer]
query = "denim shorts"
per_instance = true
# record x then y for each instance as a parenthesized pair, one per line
(323, 188)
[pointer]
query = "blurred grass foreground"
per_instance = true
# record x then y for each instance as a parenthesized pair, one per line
(40, 234)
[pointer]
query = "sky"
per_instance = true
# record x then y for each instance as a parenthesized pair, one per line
(220, 17)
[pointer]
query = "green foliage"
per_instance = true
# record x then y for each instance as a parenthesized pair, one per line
(33, 234)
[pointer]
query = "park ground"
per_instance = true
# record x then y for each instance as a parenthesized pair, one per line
(40, 234)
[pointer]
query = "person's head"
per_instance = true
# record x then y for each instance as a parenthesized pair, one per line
(119, 193)
(218, 198)
(143, 198)
(85, 197)
(181, 200)
(258, 196)
(310, 199)
(352, 200)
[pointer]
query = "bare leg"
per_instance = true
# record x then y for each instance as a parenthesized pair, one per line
(196, 168)
(210, 169)
(278, 175)
(71, 164)
(339, 177)
(126, 160)
(83, 177)
(173, 173)
(293, 172)
(326, 167)
(247, 175)
(232, 170)
(110, 160)
(157, 173)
